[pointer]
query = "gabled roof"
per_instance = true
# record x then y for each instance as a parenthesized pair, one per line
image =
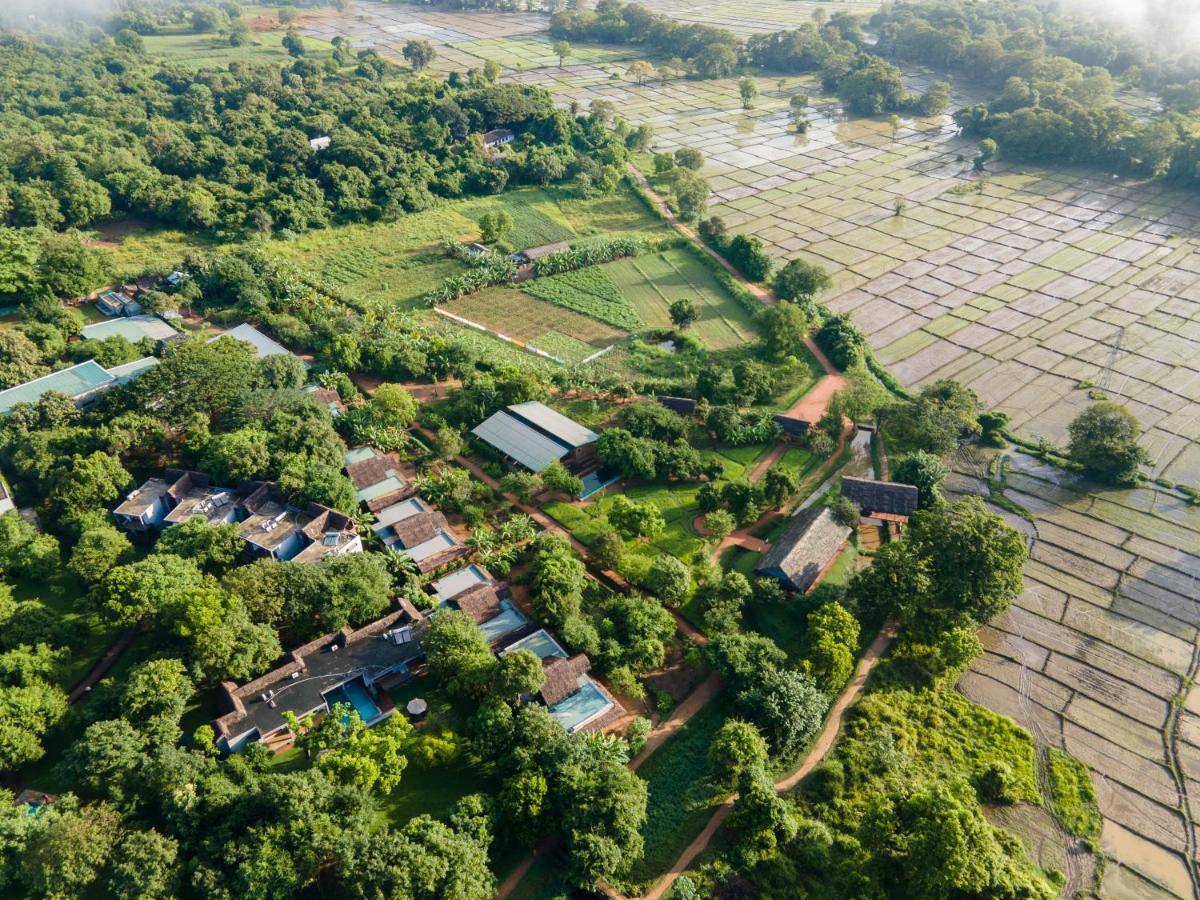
(562, 677)
(132, 328)
(553, 423)
(533, 434)
(76, 381)
(263, 345)
(518, 441)
(480, 602)
(803, 551)
(420, 528)
(881, 496)
(685, 406)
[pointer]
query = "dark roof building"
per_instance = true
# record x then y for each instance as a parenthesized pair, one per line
(685, 406)
(881, 497)
(791, 426)
(804, 551)
(532, 435)
(533, 254)
(347, 666)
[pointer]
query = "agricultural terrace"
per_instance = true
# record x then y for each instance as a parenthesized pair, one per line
(1098, 656)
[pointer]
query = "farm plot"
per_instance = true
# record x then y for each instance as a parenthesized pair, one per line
(558, 331)
(1098, 655)
(1024, 284)
(588, 291)
(651, 283)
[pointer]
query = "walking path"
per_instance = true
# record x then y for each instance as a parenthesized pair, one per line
(692, 704)
(820, 748)
(103, 664)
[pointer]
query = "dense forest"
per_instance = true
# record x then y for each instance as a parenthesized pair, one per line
(101, 131)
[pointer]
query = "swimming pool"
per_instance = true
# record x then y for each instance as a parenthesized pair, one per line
(540, 643)
(356, 694)
(598, 481)
(581, 707)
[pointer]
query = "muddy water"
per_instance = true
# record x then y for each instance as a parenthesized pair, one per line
(1151, 860)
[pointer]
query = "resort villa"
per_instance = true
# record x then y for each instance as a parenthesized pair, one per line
(82, 382)
(575, 699)
(532, 436)
(266, 520)
(489, 605)
(353, 667)
(263, 345)
(806, 550)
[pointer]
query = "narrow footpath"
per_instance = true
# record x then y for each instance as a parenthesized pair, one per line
(819, 750)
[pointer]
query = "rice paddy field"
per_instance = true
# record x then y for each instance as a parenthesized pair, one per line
(1099, 655)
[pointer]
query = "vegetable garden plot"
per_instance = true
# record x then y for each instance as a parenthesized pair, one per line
(651, 283)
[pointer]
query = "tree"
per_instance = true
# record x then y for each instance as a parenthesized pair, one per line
(935, 842)
(448, 442)
(761, 819)
(669, 580)
(491, 71)
(872, 89)
(974, 562)
(369, 758)
(691, 195)
(213, 548)
(719, 524)
(558, 478)
(778, 485)
(749, 257)
(19, 251)
(894, 124)
(783, 328)
(144, 864)
(748, 89)
(788, 707)
(925, 471)
(831, 642)
(237, 456)
(522, 485)
(608, 550)
(639, 71)
(315, 481)
(69, 848)
(493, 226)
(1104, 441)
(418, 53)
(737, 747)
(293, 44)
(633, 520)
(20, 359)
(683, 312)
(159, 687)
(556, 578)
(561, 49)
(689, 158)
(842, 341)
(943, 413)
(100, 547)
(130, 593)
(800, 281)
(459, 654)
(520, 674)
(987, 149)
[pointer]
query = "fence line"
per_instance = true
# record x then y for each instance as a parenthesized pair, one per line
(529, 348)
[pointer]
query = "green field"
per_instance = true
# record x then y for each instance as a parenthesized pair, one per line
(654, 281)
(203, 51)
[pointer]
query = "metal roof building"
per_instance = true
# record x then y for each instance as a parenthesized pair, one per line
(263, 345)
(76, 382)
(533, 435)
(132, 328)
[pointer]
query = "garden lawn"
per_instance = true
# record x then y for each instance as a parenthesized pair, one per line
(652, 282)
(680, 803)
